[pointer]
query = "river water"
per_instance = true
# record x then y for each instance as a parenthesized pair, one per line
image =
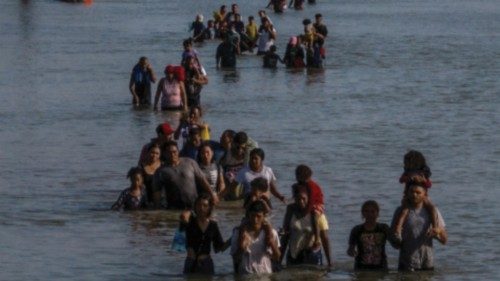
(399, 75)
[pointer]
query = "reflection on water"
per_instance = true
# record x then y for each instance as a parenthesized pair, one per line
(398, 75)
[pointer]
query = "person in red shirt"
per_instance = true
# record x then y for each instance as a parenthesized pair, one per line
(303, 175)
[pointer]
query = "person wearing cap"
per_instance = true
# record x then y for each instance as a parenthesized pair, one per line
(164, 133)
(178, 180)
(171, 92)
(140, 82)
(415, 244)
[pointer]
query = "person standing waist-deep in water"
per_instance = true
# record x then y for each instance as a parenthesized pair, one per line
(140, 82)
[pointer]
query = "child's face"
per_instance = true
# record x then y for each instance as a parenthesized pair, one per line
(136, 180)
(370, 213)
(206, 154)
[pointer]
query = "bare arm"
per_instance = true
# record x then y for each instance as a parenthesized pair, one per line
(275, 192)
(158, 93)
(183, 96)
(131, 87)
(326, 246)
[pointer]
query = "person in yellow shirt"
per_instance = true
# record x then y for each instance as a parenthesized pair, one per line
(252, 32)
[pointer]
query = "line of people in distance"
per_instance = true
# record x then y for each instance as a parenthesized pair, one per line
(204, 172)
(182, 84)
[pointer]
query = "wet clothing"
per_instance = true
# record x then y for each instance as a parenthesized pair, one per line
(270, 60)
(370, 245)
(179, 183)
(251, 31)
(265, 41)
(245, 176)
(257, 258)
(200, 266)
(212, 172)
(226, 54)
(197, 27)
(316, 202)
(141, 79)
(416, 252)
(128, 202)
(294, 56)
(171, 98)
(193, 89)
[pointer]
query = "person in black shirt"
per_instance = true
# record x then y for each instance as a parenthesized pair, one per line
(271, 58)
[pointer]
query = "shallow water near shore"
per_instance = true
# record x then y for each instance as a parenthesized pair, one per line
(399, 75)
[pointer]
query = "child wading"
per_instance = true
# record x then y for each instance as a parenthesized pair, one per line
(367, 240)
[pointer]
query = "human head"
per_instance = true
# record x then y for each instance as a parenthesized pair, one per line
(210, 23)
(256, 213)
(301, 195)
(259, 186)
(154, 152)
(226, 138)
(251, 19)
(135, 176)
(195, 113)
(205, 153)
(272, 49)
(169, 71)
(293, 41)
(306, 22)
(415, 160)
(171, 152)
(203, 205)
(240, 143)
(318, 18)
(143, 61)
(187, 44)
(262, 13)
(303, 173)
(164, 131)
(257, 156)
(223, 8)
(234, 8)
(194, 137)
(199, 17)
(370, 210)
(416, 192)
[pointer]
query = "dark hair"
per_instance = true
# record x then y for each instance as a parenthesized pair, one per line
(272, 48)
(259, 152)
(142, 59)
(298, 188)
(159, 130)
(154, 145)
(196, 107)
(415, 160)
(256, 207)
(194, 131)
(318, 15)
(370, 203)
(203, 145)
(204, 196)
(414, 182)
(170, 143)
(229, 132)
(302, 173)
(306, 21)
(134, 171)
(240, 138)
(260, 184)
(187, 42)
(251, 18)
